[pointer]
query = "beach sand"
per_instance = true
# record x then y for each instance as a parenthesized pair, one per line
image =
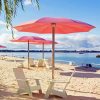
(85, 84)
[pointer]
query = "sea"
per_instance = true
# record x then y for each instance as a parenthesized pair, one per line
(76, 58)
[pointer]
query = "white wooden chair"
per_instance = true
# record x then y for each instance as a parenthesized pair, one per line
(41, 63)
(31, 63)
(23, 83)
(52, 90)
(44, 63)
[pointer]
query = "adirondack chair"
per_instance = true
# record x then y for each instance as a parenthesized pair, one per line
(44, 63)
(41, 63)
(23, 83)
(52, 90)
(31, 63)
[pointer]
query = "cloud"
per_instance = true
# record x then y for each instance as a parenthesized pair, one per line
(4, 38)
(81, 41)
(68, 42)
(27, 2)
(2, 23)
(5, 34)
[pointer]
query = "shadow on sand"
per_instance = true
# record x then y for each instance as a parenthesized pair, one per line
(81, 74)
(84, 69)
(69, 97)
(5, 95)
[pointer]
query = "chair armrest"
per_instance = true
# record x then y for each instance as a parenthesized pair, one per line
(57, 81)
(27, 79)
(22, 80)
(33, 79)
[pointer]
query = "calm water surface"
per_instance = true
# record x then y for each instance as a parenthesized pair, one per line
(62, 57)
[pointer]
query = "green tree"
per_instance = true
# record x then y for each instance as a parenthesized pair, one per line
(9, 8)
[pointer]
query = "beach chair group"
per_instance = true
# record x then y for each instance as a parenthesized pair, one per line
(24, 86)
(32, 63)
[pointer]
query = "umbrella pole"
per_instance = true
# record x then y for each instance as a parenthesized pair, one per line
(28, 54)
(53, 48)
(43, 50)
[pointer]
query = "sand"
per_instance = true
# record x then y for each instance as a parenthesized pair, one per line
(85, 84)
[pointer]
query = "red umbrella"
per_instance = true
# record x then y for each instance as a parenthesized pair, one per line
(43, 42)
(49, 25)
(28, 39)
(1, 46)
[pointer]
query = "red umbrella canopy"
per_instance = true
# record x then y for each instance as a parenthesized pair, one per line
(63, 26)
(47, 42)
(28, 39)
(2, 46)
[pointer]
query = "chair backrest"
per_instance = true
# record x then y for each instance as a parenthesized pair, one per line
(20, 77)
(69, 79)
(41, 63)
(31, 62)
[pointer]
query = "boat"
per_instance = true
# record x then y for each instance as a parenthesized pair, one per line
(81, 52)
(98, 56)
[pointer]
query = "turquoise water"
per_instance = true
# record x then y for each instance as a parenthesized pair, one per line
(62, 57)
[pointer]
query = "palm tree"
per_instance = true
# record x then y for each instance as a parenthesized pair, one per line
(9, 8)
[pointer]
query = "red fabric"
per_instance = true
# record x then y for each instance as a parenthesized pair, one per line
(2, 46)
(47, 42)
(33, 40)
(28, 38)
(63, 26)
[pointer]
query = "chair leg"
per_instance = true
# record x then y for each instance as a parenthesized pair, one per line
(49, 90)
(19, 91)
(40, 91)
(64, 94)
(38, 83)
(22, 91)
(47, 94)
(28, 89)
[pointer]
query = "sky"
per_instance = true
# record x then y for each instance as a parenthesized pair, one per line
(83, 10)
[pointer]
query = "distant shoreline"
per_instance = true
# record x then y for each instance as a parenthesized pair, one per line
(60, 51)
